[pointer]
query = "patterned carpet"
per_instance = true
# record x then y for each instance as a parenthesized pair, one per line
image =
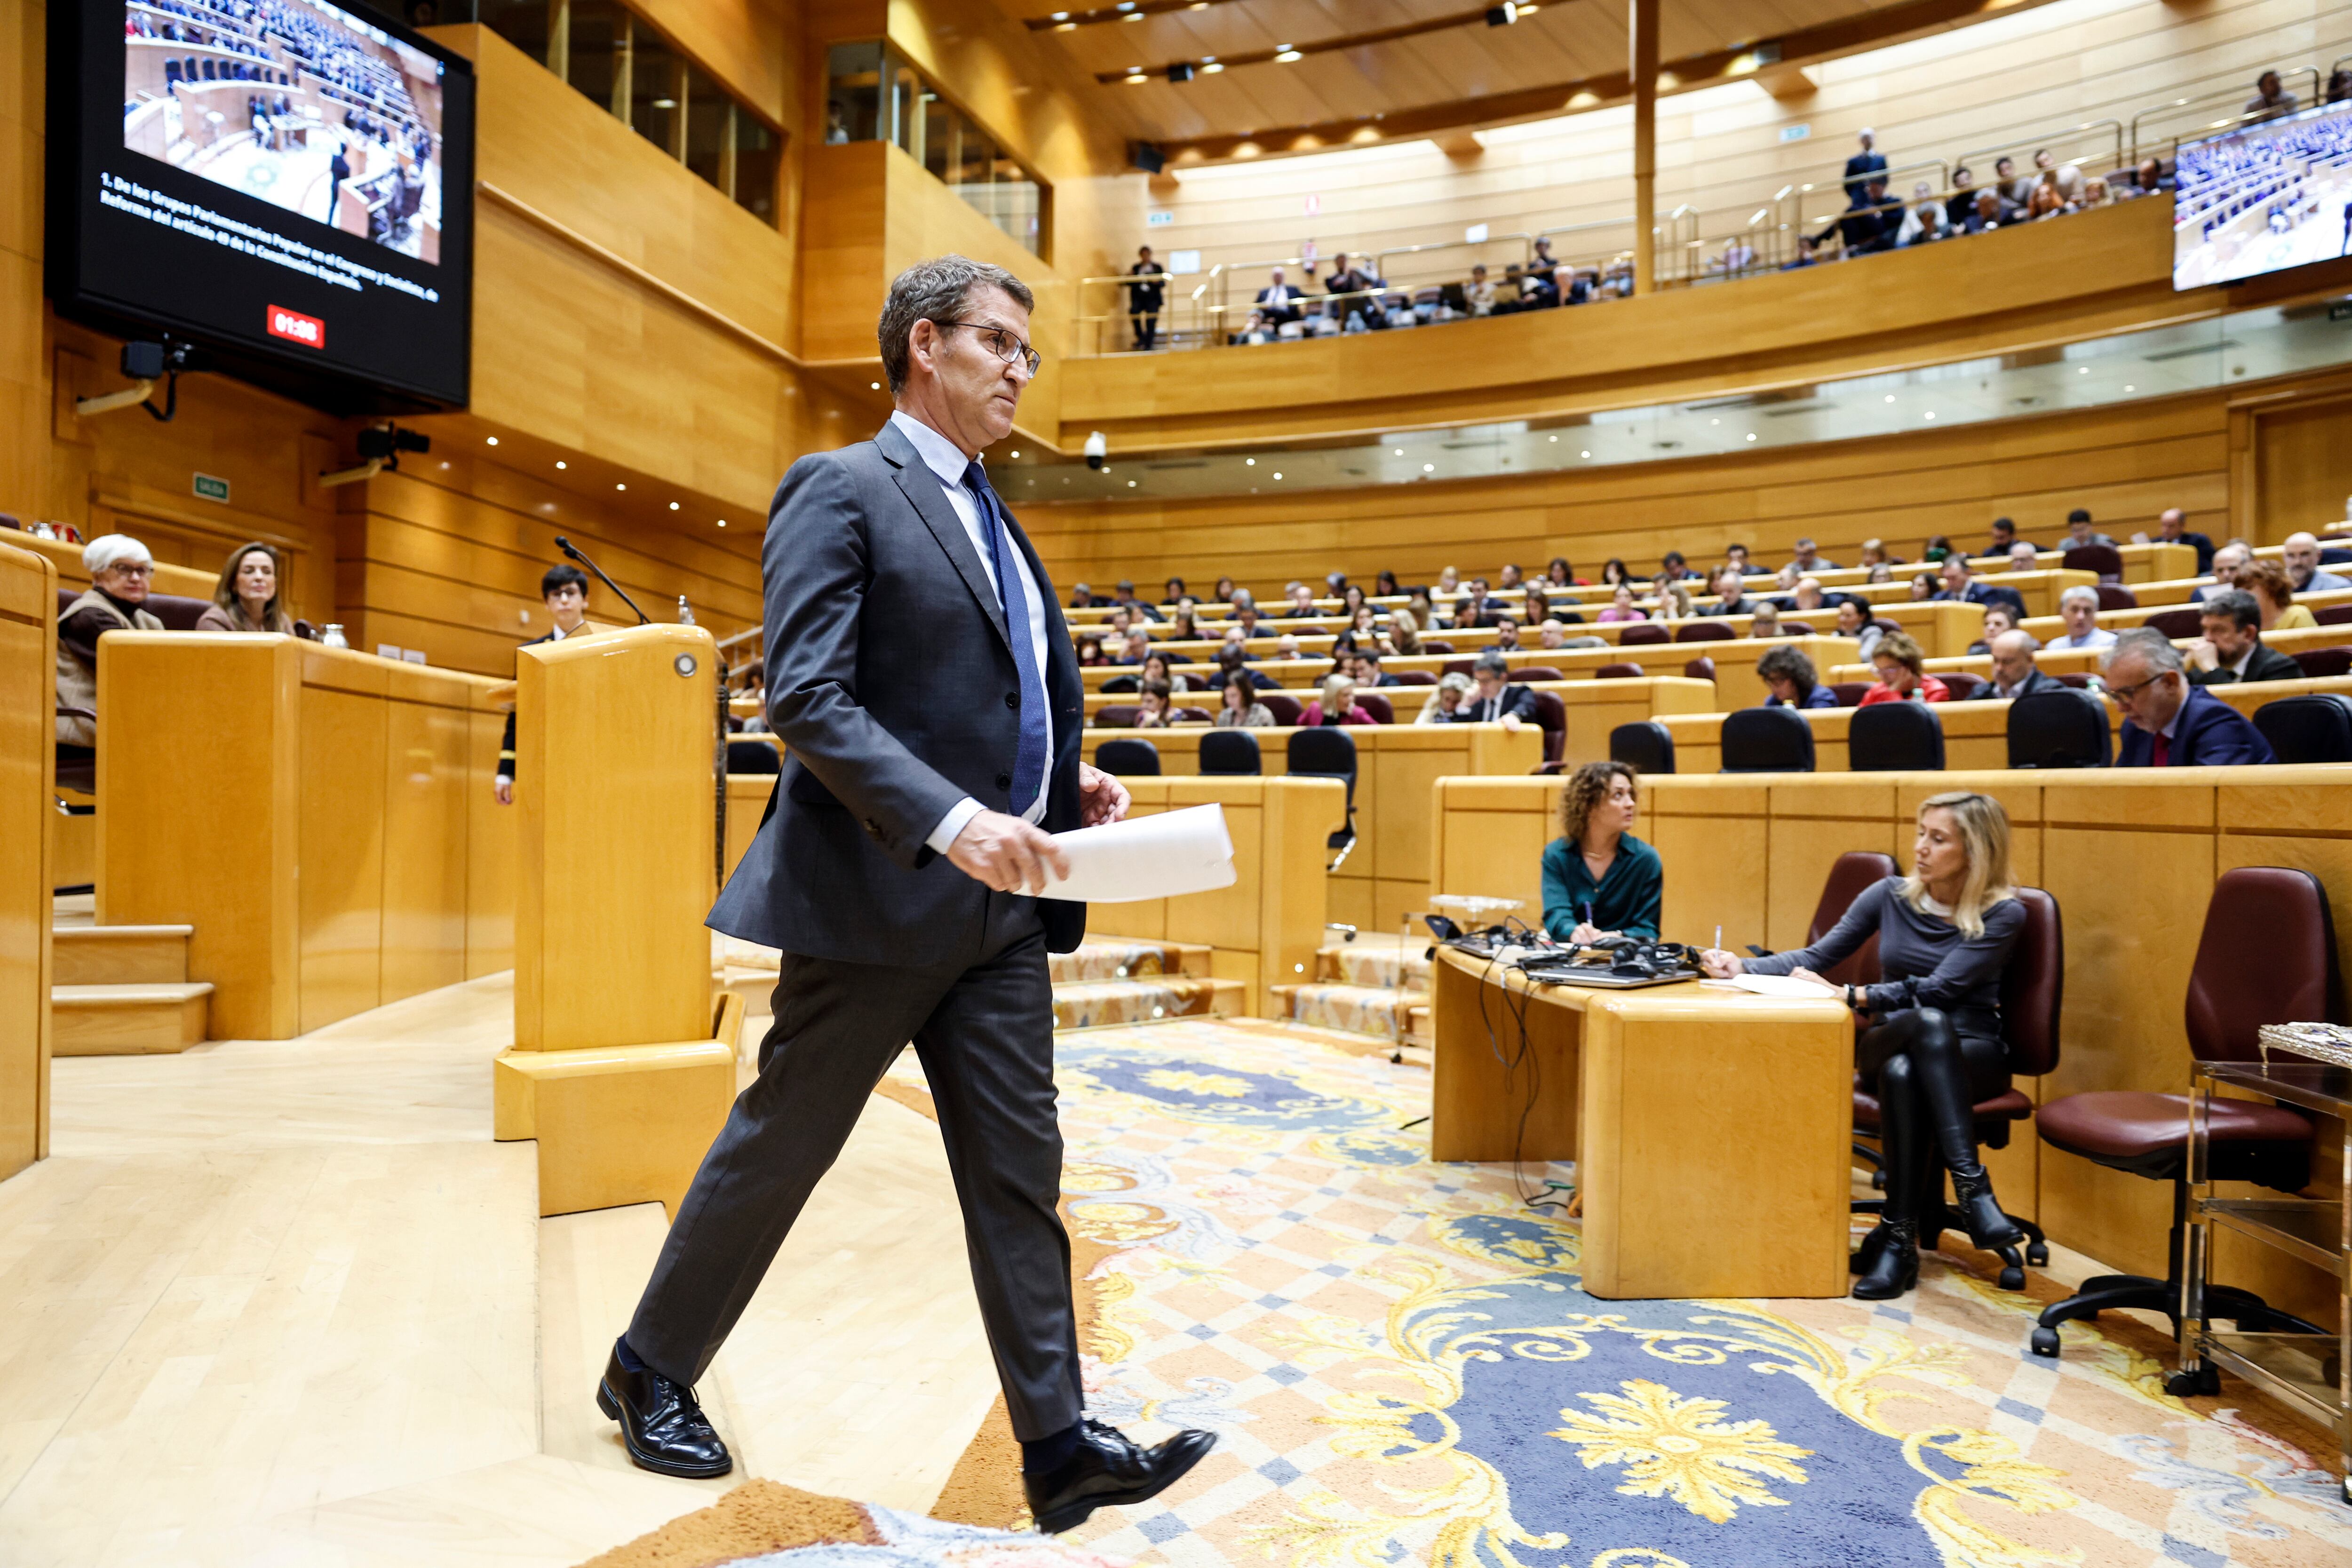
(1402, 1366)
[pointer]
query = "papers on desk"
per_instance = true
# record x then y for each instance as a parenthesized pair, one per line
(1156, 856)
(1782, 988)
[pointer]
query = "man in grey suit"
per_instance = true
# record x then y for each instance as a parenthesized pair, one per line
(924, 686)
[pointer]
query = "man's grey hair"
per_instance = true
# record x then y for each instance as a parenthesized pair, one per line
(936, 291)
(110, 548)
(2079, 594)
(2237, 606)
(2150, 645)
(1493, 664)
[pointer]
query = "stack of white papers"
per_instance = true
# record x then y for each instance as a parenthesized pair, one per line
(1155, 856)
(1786, 986)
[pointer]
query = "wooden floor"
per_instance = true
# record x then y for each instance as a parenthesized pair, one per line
(285, 1303)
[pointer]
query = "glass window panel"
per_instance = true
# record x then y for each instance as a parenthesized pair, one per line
(522, 23)
(599, 48)
(709, 129)
(906, 93)
(852, 110)
(758, 153)
(658, 93)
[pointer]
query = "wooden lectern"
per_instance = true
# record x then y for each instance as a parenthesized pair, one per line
(620, 1069)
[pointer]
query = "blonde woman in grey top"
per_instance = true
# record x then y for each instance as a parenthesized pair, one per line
(1451, 692)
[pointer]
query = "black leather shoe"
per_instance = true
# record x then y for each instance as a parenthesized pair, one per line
(663, 1428)
(1896, 1268)
(1109, 1470)
(1866, 1256)
(1987, 1226)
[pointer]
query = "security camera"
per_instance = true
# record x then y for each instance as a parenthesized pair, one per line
(1098, 449)
(389, 441)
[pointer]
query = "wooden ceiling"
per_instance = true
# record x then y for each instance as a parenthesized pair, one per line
(1422, 59)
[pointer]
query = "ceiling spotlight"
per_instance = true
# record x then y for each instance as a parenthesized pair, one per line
(1751, 435)
(875, 385)
(493, 440)
(1137, 80)
(620, 486)
(673, 506)
(1584, 454)
(1502, 16)
(1396, 451)
(1061, 16)
(1013, 454)
(1278, 476)
(722, 522)
(1211, 67)
(1429, 468)
(1180, 71)
(561, 463)
(1249, 462)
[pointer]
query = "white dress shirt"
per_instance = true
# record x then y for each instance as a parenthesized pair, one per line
(947, 463)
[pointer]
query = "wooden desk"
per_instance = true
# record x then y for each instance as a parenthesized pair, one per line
(28, 665)
(1710, 1129)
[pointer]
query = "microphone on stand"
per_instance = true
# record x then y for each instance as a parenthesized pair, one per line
(572, 550)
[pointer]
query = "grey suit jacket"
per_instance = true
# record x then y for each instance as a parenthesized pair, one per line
(891, 685)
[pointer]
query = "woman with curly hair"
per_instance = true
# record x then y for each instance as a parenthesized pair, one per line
(1598, 880)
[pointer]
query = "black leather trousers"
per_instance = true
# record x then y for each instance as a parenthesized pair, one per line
(1929, 1076)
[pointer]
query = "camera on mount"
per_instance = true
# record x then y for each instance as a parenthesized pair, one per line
(388, 441)
(1098, 449)
(154, 360)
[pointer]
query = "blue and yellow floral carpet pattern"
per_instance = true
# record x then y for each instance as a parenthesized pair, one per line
(1402, 1366)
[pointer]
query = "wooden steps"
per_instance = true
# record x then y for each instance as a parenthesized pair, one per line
(1131, 980)
(1374, 986)
(118, 991)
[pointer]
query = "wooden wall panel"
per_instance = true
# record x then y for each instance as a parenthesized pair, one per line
(342, 849)
(427, 782)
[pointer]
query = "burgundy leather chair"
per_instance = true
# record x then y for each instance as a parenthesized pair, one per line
(1855, 873)
(1638, 633)
(2333, 615)
(1551, 718)
(2115, 596)
(1796, 628)
(2320, 662)
(1286, 710)
(1647, 745)
(1964, 687)
(2032, 990)
(1378, 706)
(1850, 693)
(1699, 668)
(1456, 665)
(1619, 672)
(1117, 716)
(1432, 644)
(2267, 956)
(176, 611)
(1528, 672)
(1415, 678)
(2104, 559)
(1704, 631)
(2177, 624)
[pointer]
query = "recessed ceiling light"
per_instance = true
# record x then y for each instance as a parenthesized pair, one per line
(875, 385)
(1584, 454)
(1555, 440)
(493, 440)
(1715, 421)
(620, 486)
(1137, 80)
(1212, 68)
(1061, 16)
(562, 464)
(1015, 454)
(722, 522)
(665, 103)
(1890, 397)
(1286, 55)
(1396, 451)
(1751, 435)
(1429, 468)
(673, 506)
(1249, 462)
(1130, 484)
(2085, 371)
(1278, 476)
(1931, 414)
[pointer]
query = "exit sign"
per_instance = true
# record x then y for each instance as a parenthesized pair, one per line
(211, 489)
(1795, 133)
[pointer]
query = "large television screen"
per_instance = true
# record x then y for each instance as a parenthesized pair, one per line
(2264, 198)
(286, 183)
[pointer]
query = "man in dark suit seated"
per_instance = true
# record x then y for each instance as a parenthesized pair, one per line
(2014, 673)
(898, 870)
(2172, 528)
(2167, 723)
(2232, 650)
(1960, 587)
(1367, 668)
(1869, 223)
(1496, 700)
(1277, 302)
(1233, 658)
(2004, 540)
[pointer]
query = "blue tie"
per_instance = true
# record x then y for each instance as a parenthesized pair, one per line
(1029, 757)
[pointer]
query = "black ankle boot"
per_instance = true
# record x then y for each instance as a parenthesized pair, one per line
(1896, 1268)
(1865, 1255)
(1987, 1226)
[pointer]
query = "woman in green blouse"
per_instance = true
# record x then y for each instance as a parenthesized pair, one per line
(1598, 880)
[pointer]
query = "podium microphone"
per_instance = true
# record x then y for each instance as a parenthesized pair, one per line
(571, 551)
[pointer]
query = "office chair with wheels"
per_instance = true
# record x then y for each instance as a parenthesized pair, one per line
(2177, 623)
(1327, 752)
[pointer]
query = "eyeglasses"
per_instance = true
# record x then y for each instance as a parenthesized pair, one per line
(2123, 694)
(1000, 343)
(133, 569)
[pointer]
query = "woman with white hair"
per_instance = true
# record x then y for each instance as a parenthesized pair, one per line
(119, 570)
(1452, 690)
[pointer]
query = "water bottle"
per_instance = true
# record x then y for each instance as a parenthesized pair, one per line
(332, 636)
(685, 611)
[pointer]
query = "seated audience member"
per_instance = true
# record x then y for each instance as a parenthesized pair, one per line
(2004, 540)
(1449, 580)
(247, 599)
(1805, 256)
(2078, 606)
(1241, 709)
(2014, 673)
(1496, 700)
(1302, 602)
(1992, 211)
(1351, 597)
(1335, 704)
(1081, 597)
(1931, 1040)
(564, 589)
(1277, 302)
(1553, 636)
(1620, 606)
(1808, 598)
(1808, 558)
(1936, 548)
(1674, 603)
(1224, 592)
(1479, 292)
(2172, 528)
(1444, 699)
(1510, 576)
(1120, 621)
(1364, 627)
(2012, 186)
(1738, 556)
(1404, 631)
(1474, 608)
(2080, 531)
(1151, 710)
(1673, 566)
(1874, 554)
(1184, 625)
(1960, 587)
(1924, 587)
(1764, 620)
(2267, 582)
(1384, 584)
(2269, 101)
(1791, 678)
(1560, 575)
(119, 570)
(1507, 635)
(1613, 571)
(2232, 650)
(1368, 671)
(2228, 561)
(1137, 648)
(1135, 607)
(1535, 607)
(2301, 554)
(1870, 223)
(1853, 621)
(1090, 652)
(1285, 647)
(1925, 221)
(2023, 557)
(1999, 618)
(1156, 668)
(2043, 201)
(1882, 573)
(1598, 880)
(1731, 593)
(2167, 723)
(1903, 673)
(1174, 591)
(1245, 619)
(1963, 199)
(1232, 661)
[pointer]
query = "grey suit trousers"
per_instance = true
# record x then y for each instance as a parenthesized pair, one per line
(983, 1027)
